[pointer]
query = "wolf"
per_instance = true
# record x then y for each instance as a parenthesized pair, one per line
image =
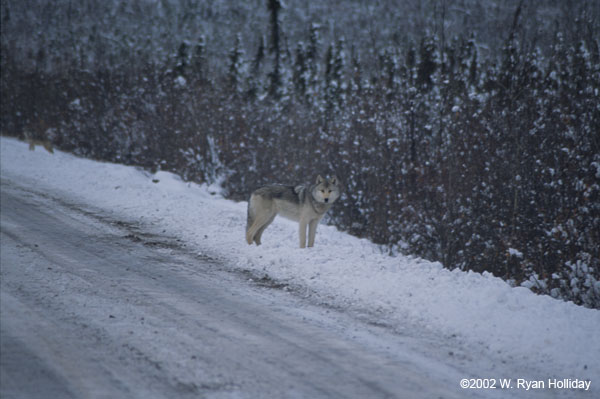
(304, 204)
(42, 142)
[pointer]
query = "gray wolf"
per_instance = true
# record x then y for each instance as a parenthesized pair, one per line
(306, 205)
(42, 142)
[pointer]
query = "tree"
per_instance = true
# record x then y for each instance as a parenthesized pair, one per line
(181, 60)
(427, 64)
(274, 7)
(199, 65)
(236, 65)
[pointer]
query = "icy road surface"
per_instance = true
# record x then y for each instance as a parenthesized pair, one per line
(92, 308)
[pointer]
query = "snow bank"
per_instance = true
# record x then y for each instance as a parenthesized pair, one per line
(480, 310)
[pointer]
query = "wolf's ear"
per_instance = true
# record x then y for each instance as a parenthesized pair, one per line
(334, 180)
(319, 179)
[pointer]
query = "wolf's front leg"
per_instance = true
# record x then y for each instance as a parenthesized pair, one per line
(312, 231)
(302, 233)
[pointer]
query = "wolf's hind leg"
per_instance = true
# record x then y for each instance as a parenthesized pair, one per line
(261, 222)
(260, 231)
(251, 231)
(260, 213)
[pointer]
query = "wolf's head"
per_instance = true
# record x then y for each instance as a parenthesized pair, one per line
(326, 190)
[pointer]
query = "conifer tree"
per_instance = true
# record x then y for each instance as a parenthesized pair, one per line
(427, 64)
(274, 7)
(312, 61)
(199, 65)
(181, 60)
(254, 76)
(300, 75)
(236, 64)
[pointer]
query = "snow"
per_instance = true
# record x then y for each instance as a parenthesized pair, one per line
(180, 81)
(515, 252)
(558, 339)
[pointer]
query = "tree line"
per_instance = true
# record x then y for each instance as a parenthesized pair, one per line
(484, 161)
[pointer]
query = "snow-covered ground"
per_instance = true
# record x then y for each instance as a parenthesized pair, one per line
(479, 315)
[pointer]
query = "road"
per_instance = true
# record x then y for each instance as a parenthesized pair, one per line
(93, 307)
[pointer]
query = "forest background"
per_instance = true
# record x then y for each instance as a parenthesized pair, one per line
(465, 132)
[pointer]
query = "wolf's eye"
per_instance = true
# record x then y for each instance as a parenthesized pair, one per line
(329, 191)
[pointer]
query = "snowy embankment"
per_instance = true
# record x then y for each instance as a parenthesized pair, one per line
(481, 311)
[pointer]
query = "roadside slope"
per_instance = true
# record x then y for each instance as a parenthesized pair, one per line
(481, 314)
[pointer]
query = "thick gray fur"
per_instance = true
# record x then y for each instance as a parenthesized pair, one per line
(305, 205)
